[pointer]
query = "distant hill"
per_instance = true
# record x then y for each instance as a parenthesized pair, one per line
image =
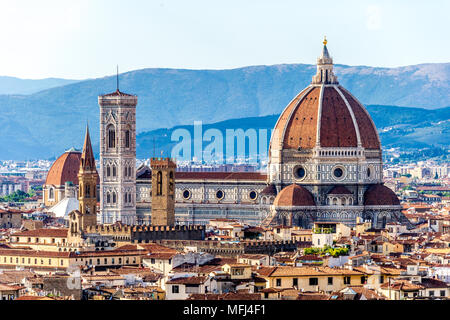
(44, 124)
(12, 85)
(408, 128)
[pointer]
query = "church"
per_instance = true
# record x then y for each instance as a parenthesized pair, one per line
(325, 165)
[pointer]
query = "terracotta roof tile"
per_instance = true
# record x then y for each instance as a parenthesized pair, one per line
(54, 233)
(64, 169)
(380, 195)
(294, 195)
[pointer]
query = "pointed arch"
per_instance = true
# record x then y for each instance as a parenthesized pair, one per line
(111, 136)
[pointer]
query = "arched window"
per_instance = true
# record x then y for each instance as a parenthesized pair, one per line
(129, 197)
(159, 182)
(125, 198)
(114, 197)
(111, 136)
(127, 139)
(108, 198)
(383, 221)
(114, 171)
(51, 194)
(108, 171)
(130, 171)
(87, 191)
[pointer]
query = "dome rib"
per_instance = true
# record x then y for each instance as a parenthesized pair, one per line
(301, 128)
(283, 120)
(367, 129)
(352, 114)
(336, 128)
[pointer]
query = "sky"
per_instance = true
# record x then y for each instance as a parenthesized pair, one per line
(79, 39)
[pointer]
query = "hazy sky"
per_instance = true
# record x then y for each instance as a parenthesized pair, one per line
(87, 38)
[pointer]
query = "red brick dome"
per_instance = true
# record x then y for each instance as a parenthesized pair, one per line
(380, 195)
(338, 190)
(294, 196)
(65, 169)
(328, 116)
(270, 190)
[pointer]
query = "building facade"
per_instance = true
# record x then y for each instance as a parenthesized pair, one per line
(325, 158)
(325, 164)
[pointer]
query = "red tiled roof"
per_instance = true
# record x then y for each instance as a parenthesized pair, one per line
(64, 169)
(336, 126)
(34, 298)
(118, 93)
(188, 280)
(54, 233)
(380, 195)
(300, 121)
(367, 130)
(339, 190)
(294, 195)
(225, 296)
(301, 127)
(35, 253)
(270, 190)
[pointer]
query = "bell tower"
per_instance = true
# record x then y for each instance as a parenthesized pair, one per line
(163, 191)
(117, 158)
(87, 177)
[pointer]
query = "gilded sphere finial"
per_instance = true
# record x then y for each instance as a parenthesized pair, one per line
(325, 40)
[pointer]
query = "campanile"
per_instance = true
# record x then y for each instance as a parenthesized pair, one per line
(117, 158)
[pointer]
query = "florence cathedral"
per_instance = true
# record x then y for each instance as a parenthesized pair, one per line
(325, 165)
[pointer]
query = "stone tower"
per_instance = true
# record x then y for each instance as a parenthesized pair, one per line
(117, 158)
(87, 189)
(86, 215)
(163, 191)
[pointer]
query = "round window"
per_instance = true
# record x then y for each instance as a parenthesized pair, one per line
(186, 194)
(220, 194)
(338, 172)
(253, 195)
(300, 172)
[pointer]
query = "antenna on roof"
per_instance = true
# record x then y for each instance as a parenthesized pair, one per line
(117, 77)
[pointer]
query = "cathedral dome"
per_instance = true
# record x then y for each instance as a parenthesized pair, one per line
(380, 195)
(294, 196)
(270, 190)
(65, 169)
(339, 190)
(325, 115)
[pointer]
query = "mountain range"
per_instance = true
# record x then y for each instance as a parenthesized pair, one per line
(43, 124)
(407, 128)
(13, 85)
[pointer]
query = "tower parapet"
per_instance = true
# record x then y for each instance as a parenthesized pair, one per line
(118, 98)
